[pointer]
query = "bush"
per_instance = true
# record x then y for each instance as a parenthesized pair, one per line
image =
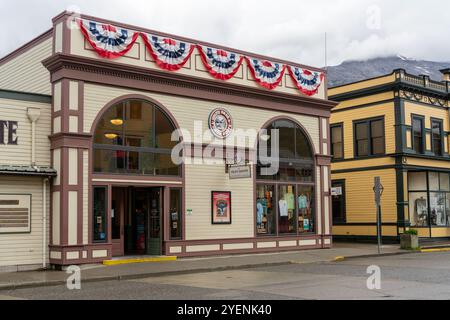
(412, 232)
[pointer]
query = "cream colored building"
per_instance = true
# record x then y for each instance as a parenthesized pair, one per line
(86, 163)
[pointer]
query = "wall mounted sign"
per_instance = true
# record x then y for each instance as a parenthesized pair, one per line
(221, 207)
(240, 172)
(15, 213)
(8, 132)
(220, 123)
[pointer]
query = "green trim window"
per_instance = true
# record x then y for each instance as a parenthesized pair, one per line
(338, 202)
(337, 141)
(418, 134)
(437, 137)
(369, 137)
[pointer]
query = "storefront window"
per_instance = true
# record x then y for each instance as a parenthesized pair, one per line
(265, 210)
(134, 137)
(175, 214)
(429, 199)
(285, 200)
(99, 213)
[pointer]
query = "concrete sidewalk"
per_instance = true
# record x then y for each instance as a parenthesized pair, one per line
(196, 265)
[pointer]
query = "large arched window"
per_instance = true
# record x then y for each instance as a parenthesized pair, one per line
(285, 200)
(134, 137)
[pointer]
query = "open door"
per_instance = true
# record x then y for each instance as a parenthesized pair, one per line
(117, 220)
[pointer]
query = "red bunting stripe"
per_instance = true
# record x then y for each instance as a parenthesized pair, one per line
(221, 64)
(267, 73)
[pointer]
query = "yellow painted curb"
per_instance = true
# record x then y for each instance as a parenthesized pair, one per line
(435, 250)
(139, 260)
(339, 259)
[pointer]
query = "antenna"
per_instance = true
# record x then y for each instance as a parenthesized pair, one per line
(326, 53)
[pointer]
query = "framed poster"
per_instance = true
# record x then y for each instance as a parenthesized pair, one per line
(221, 207)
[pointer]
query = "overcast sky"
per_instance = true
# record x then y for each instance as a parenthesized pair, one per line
(288, 29)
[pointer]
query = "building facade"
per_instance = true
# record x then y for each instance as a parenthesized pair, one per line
(395, 127)
(91, 108)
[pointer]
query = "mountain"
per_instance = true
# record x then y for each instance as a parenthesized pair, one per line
(352, 71)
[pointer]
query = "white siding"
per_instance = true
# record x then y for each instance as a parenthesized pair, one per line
(14, 110)
(24, 248)
(26, 72)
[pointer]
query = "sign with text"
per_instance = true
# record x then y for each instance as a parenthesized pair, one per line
(8, 132)
(240, 172)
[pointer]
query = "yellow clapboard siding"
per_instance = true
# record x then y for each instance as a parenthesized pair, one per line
(362, 85)
(426, 111)
(359, 195)
(347, 117)
(364, 100)
(388, 231)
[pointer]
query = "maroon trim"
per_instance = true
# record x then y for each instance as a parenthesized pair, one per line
(127, 76)
(27, 46)
(80, 248)
(80, 198)
(70, 140)
(80, 107)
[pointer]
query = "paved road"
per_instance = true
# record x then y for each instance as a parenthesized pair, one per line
(415, 276)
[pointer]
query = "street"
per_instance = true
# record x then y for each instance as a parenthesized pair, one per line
(413, 276)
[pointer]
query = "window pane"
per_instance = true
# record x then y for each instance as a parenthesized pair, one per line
(338, 151)
(338, 203)
(417, 181)
(444, 182)
(336, 140)
(418, 209)
(303, 149)
(109, 161)
(378, 145)
(417, 127)
(175, 214)
(287, 142)
(306, 215)
(164, 130)
(336, 134)
(287, 216)
(361, 131)
(433, 181)
(437, 208)
(377, 129)
(363, 147)
(139, 124)
(265, 210)
(437, 137)
(110, 127)
(99, 214)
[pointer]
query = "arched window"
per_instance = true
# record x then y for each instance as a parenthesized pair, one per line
(286, 200)
(134, 137)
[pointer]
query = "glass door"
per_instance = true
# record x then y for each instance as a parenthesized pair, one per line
(287, 213)
(154, 225)
(118, 206)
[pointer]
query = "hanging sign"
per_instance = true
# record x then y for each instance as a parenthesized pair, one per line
(268, 74)
(308, 82)
(169, 54)
(108, 41)
(240, 172)
(220, 123)
(221, 64)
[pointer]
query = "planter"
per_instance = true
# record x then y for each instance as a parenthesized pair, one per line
(409, 242)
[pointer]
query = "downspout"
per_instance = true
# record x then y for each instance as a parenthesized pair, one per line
(33, 115)
(44, 223)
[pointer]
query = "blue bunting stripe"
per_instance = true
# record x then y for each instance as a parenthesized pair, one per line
(221, 64)
(307, 81)
(267, 73)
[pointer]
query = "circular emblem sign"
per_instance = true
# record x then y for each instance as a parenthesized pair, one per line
(220, 123)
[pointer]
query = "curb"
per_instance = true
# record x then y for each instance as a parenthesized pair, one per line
(53, 283)
(432, 250)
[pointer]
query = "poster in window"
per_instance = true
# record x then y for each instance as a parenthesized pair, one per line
(221, 207)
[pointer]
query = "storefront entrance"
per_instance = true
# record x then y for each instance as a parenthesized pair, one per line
(136, 221)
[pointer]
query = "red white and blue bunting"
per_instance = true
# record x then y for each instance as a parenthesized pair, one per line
(169, 54)
(221, 64)
(267, 73)
(108, 41)
(307, 81)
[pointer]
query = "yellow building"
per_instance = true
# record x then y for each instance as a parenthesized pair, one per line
(395, 127)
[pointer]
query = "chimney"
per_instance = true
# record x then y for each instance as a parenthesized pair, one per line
(445, 74)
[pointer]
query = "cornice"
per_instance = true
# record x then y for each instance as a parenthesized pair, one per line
(94, 70)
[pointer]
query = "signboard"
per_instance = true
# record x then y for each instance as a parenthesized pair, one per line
(221, 207)
(240, 172)
(337, 191)
(220, 123)
(8, 132)
(15, 213)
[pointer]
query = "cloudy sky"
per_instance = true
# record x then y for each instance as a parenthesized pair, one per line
(288, 29)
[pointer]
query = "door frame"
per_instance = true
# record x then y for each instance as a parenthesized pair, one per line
(118, 245)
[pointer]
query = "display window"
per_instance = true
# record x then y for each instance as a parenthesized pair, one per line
(266, 222)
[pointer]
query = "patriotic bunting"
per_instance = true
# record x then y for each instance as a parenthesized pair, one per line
(308, 82)
(221, 64)
(108, 41)
(268, 74)
(168, 53)
(113, 42)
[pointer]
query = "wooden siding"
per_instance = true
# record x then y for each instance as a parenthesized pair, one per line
(24, 248)
(14, 110)
(362, 85)
(26, 72)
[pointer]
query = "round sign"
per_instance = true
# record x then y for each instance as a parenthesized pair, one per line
(220, 123)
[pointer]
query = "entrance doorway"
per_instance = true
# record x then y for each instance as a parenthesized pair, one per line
(136, 221)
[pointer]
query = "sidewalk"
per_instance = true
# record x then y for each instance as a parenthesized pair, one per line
(196, 265)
